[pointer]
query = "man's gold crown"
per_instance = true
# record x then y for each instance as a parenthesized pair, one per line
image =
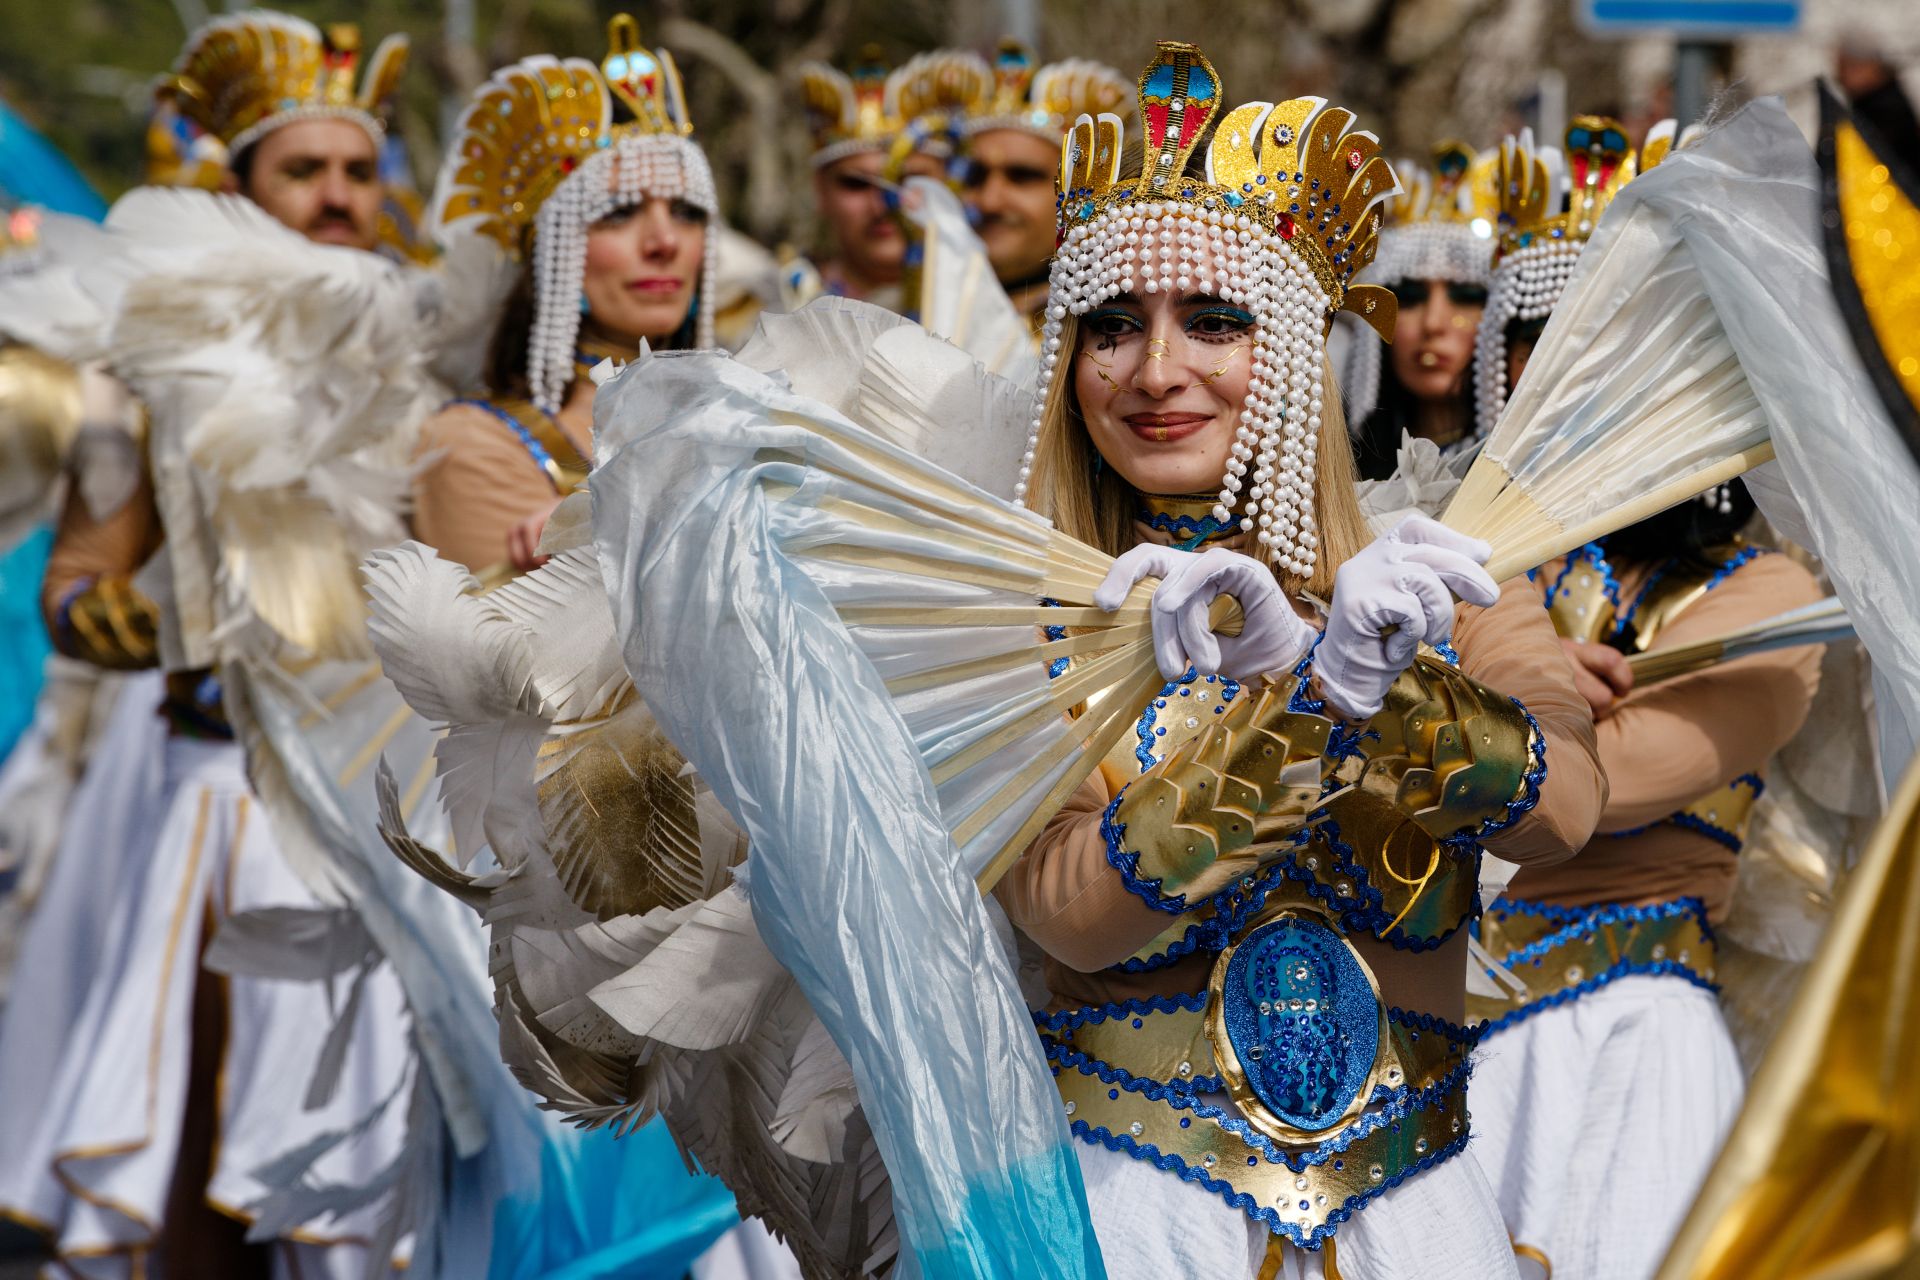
(849, 112)
(243, 74)
(539, 119)
(1296, 169)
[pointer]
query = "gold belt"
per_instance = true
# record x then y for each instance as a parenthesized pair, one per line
(1143, 1078)
(1562, 953)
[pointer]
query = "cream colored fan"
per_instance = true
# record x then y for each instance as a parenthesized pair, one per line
(1821, 622)
(1635, 398)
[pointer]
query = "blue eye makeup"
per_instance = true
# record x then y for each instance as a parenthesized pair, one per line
(1219, 323)
(1108, 314)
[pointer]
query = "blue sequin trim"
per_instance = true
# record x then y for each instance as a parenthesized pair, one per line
(1698, 825)
(1591, 554)
(1400, 1103)
(1148, 727)
(1448, 654)
(1058, 667)
(1187, 532)
(1577, 921)
(534, 448)
(1529, 796)
(1089, 1014)
(1725, 571)
(1127, 863)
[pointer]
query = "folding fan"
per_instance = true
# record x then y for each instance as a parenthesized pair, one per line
(1635, 398)
(1822, 622)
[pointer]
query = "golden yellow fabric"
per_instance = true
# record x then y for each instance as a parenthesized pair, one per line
(1883, 247)
(1821, 1174)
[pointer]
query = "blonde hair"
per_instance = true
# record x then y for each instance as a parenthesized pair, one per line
(1086, 499)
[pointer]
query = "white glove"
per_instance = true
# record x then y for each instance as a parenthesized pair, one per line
(1394, 596)
(1272, 638)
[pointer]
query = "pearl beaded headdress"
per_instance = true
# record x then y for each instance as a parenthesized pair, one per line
(1538, 243)
(1288, 212)
(1440, 226)
(244, 75)
(538, 148)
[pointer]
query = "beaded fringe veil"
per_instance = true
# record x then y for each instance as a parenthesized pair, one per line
(1163, 245)
(637, 166)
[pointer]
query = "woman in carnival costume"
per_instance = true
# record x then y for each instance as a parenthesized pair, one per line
(1259, 1035)
(589, 177)
(1433, 255)
(1609, 1077)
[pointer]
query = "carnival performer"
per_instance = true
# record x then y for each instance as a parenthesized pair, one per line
(854, 120)
(616, 232)
(179, 1084)
(1433, 255)
(1186, 395)
(1013, 144)
(616, 228)
(1609, 1079)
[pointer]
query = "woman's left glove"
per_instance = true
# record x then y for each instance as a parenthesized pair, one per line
(1272, 638)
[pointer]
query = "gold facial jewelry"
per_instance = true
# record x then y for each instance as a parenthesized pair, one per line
(1428, 360)
(1462, 322)
(1161, 343)
(1100, 368)
(1220, 370)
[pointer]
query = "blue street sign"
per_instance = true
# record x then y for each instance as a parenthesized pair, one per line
(1690, 17)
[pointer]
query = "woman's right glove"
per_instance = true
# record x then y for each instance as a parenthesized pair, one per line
(1394, 596)
(1272, 638)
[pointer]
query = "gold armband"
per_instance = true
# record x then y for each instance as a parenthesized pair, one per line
(1204, 815)
(111, 625)
(1445, 753)
(1446, 756)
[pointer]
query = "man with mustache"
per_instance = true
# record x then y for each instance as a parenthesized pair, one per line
(1013, 143)
(195, 1081)
(853, 121)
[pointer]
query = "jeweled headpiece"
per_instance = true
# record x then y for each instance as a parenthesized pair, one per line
(932, 95)
(243, 75)
(1548, 208)
(1288, 211)
(848, 113)
(1440, 226)
(1045, 100)
(539, 150)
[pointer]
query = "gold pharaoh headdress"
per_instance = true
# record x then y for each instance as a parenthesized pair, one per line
(536, 121)
(1296, 170)
(1288, 210)
(848, 113)
(1547, 210)
(1439, 226)
(1044, 100)
(539, 155)
(243, 75)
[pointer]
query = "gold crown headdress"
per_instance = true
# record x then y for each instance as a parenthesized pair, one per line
(1441, 224)
(1044, 100)
(244, 75)
(931, 95)
(848, 113)
(1288, 210)
(539, 150)
(1548, 208)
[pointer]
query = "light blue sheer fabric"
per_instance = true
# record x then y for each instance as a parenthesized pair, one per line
(23, 638)
(609, 1207)
(856, 885)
